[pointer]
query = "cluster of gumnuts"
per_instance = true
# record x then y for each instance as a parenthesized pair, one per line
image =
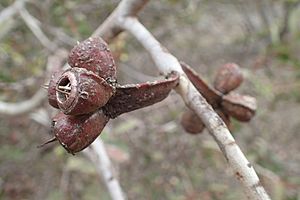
(88, 95)
(221, 97)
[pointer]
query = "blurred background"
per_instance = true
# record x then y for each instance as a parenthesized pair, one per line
(153, 156)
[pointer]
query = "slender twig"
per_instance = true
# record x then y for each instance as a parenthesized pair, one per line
(60, 35)
(166, 63)
(20, 85)
(110, 28)
(24, 106)
(11, 10)
(33, 25)
(10, 108)
(98, 155)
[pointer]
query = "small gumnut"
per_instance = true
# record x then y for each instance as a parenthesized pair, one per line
(191, 122)
(75, 133)
(241, 107)
(94, 55)
(228, 78)
(80, 91)
(52, 88)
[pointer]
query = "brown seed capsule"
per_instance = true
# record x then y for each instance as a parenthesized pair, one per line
(52, 89)
(241, 107)
(79, 91)
(93, 54)
(75, 133)
(191, 122)
(228, 78)
(135, 96)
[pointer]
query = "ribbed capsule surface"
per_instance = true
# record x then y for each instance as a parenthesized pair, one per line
(80, 91)
(94, 55)
(75, 133)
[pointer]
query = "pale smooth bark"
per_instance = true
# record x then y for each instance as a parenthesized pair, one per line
(18, 108)
(11, 10)
(98, 155)
(110, 28)
(166, 63)
(24, 106)
(33, 24)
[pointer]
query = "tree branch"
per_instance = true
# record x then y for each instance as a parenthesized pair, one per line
(33, 25)
(11, 10)
(24, 106)
(28, 105)
(110, 27)
(166, 63)
(98, 155)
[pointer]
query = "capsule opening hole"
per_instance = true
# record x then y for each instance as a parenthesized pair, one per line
(63, 89)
